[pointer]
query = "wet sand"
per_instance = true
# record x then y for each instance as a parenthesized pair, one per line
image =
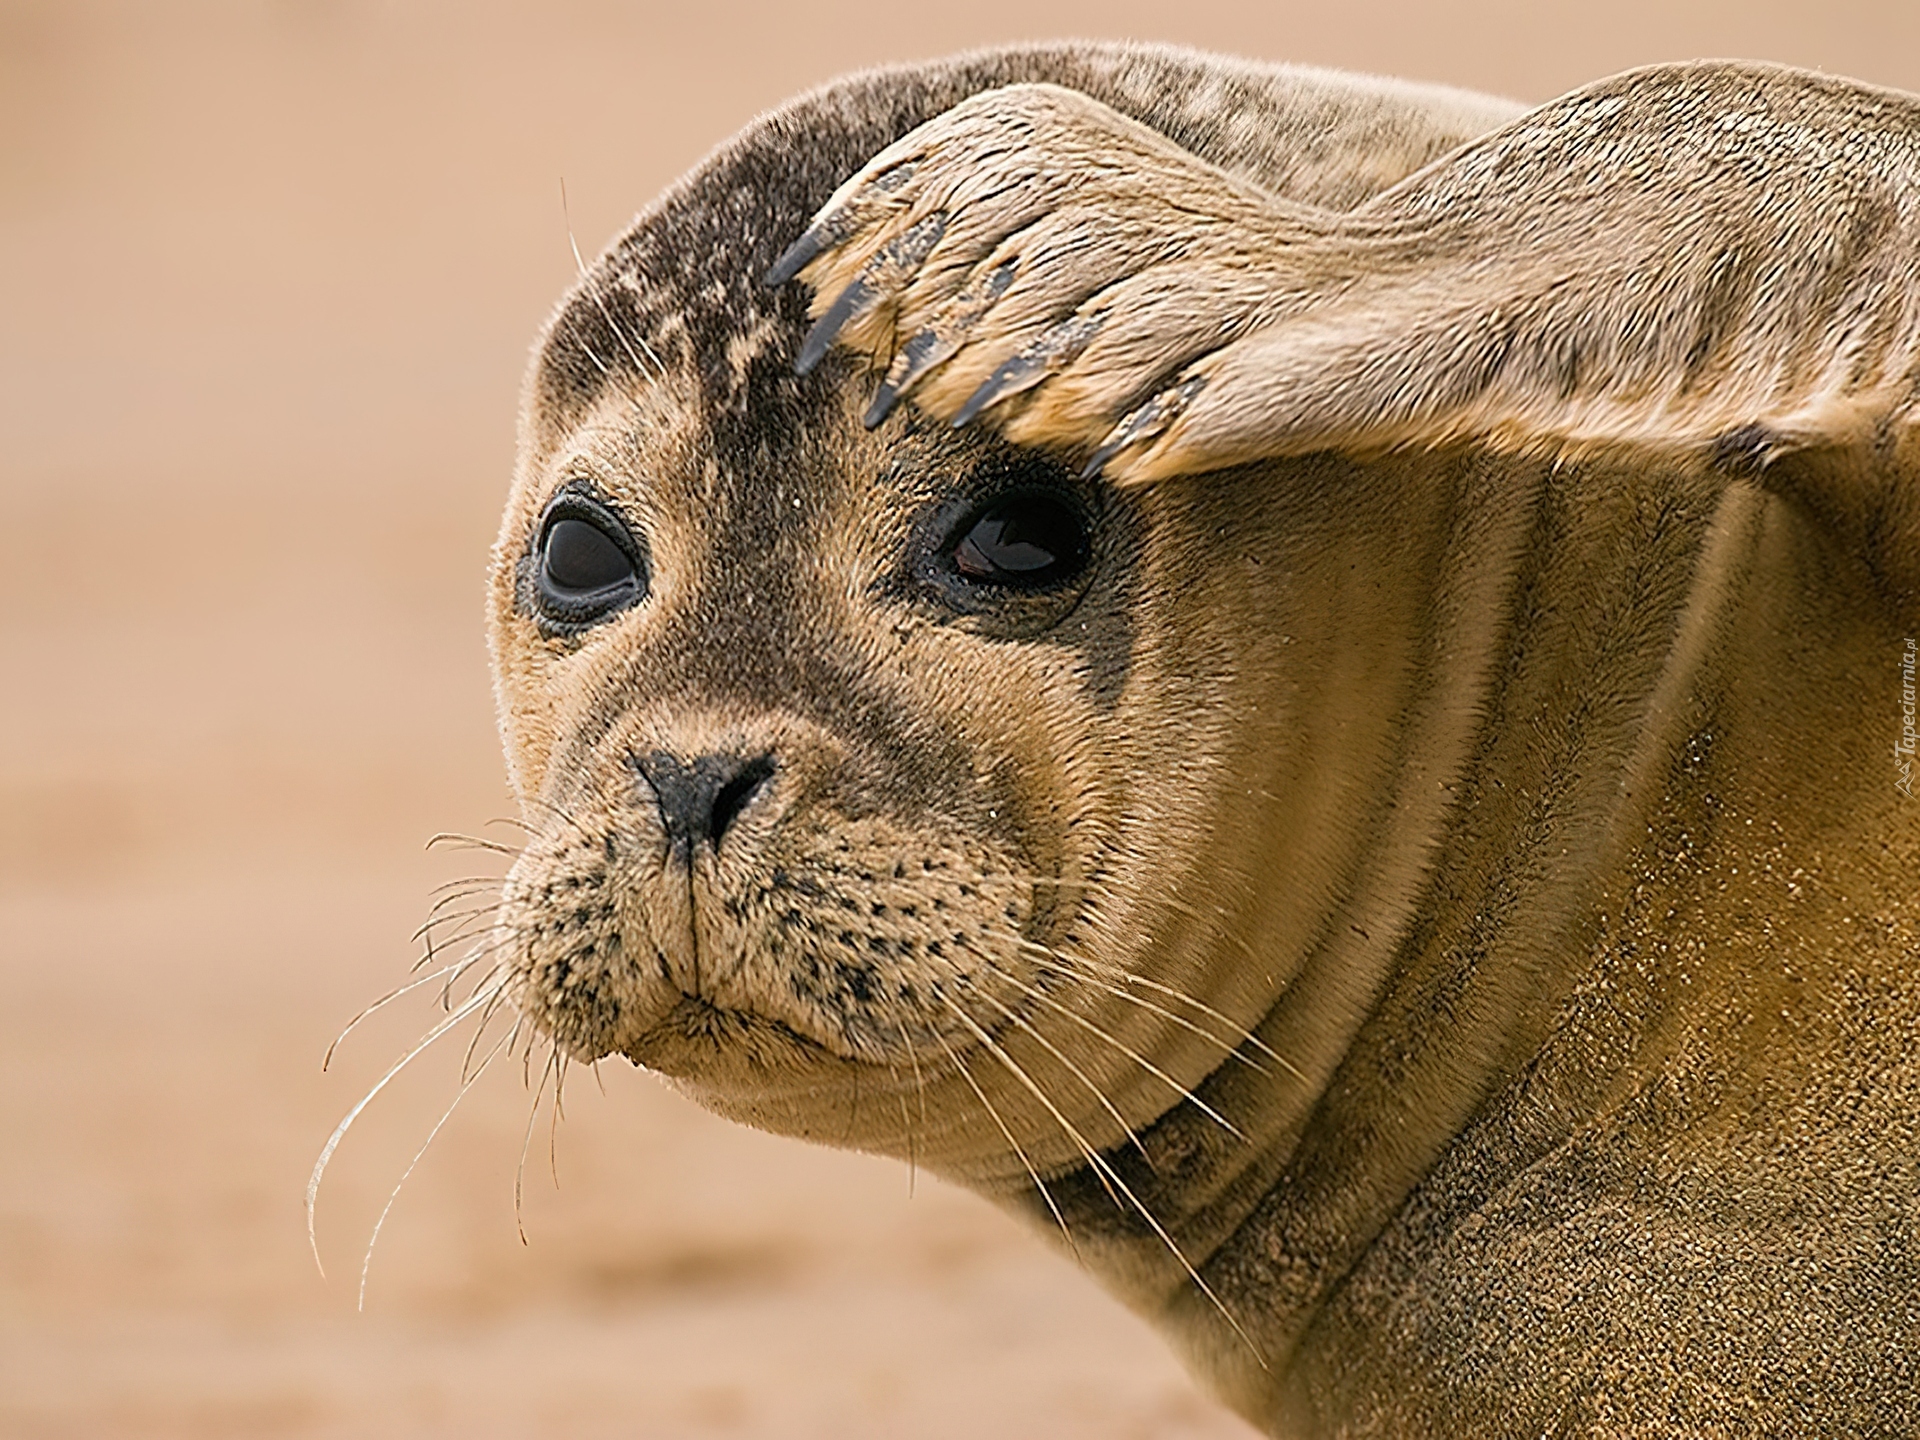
(268, 274)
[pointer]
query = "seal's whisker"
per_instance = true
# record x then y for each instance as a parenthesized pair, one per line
(479, 1034)
(1110, 1177)
(566, 215)
(452, 917)
(440, 943)
(479, 947)
(594, 356)
(906, 1116)
(445, 894)
(526, 1057)
(920, 1094)
(452, 889)
(340, 1130)
(853, 1111)
(366, 1261)
(478, 882)
(1090, 966)
(1238, 941)
(555, 1116)
(486, 1018)
(526, 1142)
(480, 940)
(1087, 965)
(560, 813)
(659, 366)
(474, 928)
(596, 289)
(1152, 1069)
(1094, 978)
(1033, 1087)
(1053, 1208)
(465, 927)
(1096, 972)
(472, 958)
(1020, 1020)
(593, 284)
(387, 999)
(453, 839)
(485, 941)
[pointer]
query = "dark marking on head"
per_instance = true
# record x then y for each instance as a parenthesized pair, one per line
(691, 274)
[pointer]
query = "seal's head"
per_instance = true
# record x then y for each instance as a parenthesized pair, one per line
(871, 770)
(796, 709)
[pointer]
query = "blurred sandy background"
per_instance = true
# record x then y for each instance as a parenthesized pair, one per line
(268, 273)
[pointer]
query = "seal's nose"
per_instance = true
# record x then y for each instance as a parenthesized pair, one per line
(699, 799)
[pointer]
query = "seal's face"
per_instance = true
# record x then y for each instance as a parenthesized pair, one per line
(800, 728)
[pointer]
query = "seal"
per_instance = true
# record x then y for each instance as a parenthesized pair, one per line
(1327, 731)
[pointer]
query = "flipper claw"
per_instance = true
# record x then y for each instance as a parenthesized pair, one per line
(883, 275)
(797, 256)
(1048, 355)
(917, 356)
(846, 305)
(1145, 422)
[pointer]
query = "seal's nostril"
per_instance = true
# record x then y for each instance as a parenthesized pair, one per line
(700, 800)
(735, 794)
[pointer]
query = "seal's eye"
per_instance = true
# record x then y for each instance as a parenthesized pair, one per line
(579, 559)
(1027, 540)
(586, 564)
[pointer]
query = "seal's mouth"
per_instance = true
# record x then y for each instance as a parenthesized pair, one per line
(697, 1034)
(800, 947)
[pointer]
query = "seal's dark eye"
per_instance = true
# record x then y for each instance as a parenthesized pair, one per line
(1025, 540)
(579, 558)
(586, 564)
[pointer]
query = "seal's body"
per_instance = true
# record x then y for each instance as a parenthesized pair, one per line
(1407, 870)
